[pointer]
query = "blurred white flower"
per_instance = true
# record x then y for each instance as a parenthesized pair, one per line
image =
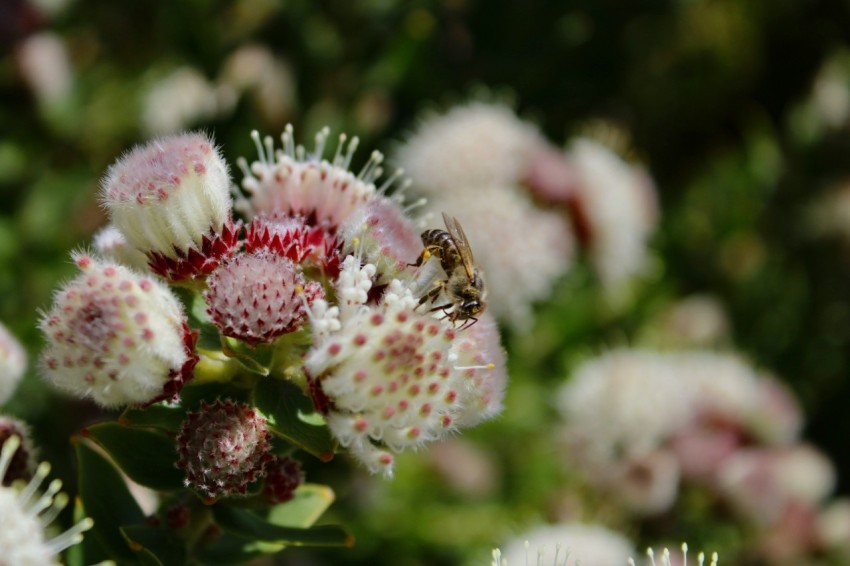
(182, 99)
(13, 363)
(567, 544)
(616, 207)
(267, 79)
(45, 65)
(470, 148)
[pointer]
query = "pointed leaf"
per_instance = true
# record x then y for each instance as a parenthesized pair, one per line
(284, 404)
(148, 457)
(107, 500)
(233, 549)
(155, 543)
(248, 524)
(310, 502)
(167, 418)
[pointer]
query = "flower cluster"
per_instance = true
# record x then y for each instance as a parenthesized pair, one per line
(323, 275)
(503, 177)
(642, 424)
(26, 514)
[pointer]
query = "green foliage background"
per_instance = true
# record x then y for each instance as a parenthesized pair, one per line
(711, 90)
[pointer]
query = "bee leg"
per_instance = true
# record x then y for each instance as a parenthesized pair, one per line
(424, 256)
(468, 323)
(430, 296)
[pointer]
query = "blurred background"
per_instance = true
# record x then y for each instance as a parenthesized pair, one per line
(738, 109)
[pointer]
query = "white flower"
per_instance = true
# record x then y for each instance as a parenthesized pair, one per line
(522, 250)
(43, 60)
(25, 513)
(389, 374)
(116, 336)
(568, 544)
(471, 147)
(292, 181)
(617, 202)
(268, 80)
(13, 362)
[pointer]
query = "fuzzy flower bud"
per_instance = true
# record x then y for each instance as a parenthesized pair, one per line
(283, 476)
(26, 513)
(13, 362)
(223, 448)
(171, 200)
(294, 181)
(110, 243)
(387, 374)
(117, 337)
(255, 297)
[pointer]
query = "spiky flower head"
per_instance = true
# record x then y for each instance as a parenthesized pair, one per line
(13, 363)
(294, 181)
(283, 476)
(387, 374)
(116, 336)
(21, 464)
(223, 448)
(257, 297)
(25, 512)
(314, 248)
(472, 146)
(171, 200)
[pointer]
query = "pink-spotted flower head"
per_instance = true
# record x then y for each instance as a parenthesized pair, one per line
(389, 376)
(294, 181)
(171, 200)
(117, 337)
(223, 448)
(13, 363)
(259, 296)
(26, 512)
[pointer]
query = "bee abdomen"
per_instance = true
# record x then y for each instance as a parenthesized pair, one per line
(441, 243)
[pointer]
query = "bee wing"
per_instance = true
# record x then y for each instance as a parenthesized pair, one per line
(462, 243)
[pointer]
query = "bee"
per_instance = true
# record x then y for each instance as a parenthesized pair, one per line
(463, 284)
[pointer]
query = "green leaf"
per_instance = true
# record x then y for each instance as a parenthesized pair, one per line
(248, 524)
(289, 413)
(310, 502)
(192, 395)
(155, 543)
(107, 501)
(233, 549)
(148, 457)
(167, 418)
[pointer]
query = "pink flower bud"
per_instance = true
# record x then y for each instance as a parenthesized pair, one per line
(223, 448)
(171, 200)
(312, 247)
